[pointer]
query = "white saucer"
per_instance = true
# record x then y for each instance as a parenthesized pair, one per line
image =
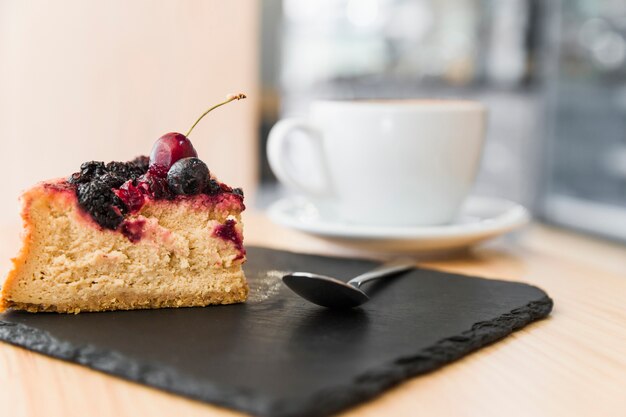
(480, 218)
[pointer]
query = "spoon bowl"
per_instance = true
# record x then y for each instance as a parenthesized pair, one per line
(333, 293)
(325, 291)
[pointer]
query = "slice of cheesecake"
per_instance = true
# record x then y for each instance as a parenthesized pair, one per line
(117, 237)
(149, 233)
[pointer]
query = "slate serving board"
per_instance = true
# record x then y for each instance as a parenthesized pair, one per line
(278, 355)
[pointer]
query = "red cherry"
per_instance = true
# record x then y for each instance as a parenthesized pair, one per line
(169, 148)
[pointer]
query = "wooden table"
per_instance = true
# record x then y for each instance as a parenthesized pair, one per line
(571, 364)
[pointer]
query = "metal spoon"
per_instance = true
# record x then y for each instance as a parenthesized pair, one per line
(330, 292)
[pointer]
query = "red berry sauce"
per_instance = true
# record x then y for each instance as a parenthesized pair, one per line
(229, 232)
(131, 195)
(133, 229)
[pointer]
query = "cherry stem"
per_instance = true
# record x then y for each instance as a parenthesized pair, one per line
(230, 98)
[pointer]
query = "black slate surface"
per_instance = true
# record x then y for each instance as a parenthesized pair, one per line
(278, 355)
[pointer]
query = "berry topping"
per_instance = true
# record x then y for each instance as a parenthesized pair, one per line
(109, 192)
(168, 149)
(97, 198)
(112, 180)
(154, 184)
(131, 195)
(127, 170)
(142, 163)
(113, 173)
(188, 176)
(88, 171)
(213, 187)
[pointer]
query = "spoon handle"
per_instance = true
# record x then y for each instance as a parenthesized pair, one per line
(386, 269)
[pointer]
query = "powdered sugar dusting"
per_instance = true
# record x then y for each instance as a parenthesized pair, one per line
(265, 286)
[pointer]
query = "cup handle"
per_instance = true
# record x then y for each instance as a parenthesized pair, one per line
(279, 160)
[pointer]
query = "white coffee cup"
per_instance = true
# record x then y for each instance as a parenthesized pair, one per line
(383, 162)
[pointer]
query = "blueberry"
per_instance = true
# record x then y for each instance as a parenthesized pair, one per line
(188, 176)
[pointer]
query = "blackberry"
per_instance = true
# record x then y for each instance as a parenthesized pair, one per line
(238, 191)
(141, 163)
(120, 169)
(112, 180)
(97, 198)
(92, 169)
(88, 171)
(75, 178)
(125, 170)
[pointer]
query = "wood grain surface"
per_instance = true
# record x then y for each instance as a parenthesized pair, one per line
(573, 363)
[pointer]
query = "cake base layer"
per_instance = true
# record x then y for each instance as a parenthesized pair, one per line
(170, 254)
(123, 299)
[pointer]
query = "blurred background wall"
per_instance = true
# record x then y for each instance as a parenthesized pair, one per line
(83, 80)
